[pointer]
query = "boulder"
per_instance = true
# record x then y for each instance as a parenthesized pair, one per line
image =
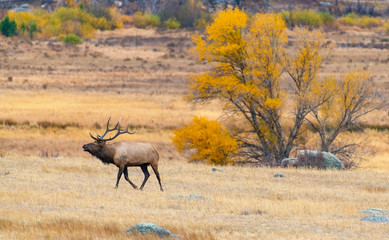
(375, 218)
(190, 197)
(150, 228)
(378, 211)
(330, 161)
(279, 175)
(289, 162)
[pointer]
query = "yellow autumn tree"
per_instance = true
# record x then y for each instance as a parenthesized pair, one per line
(213, 144)
(249, 56)
(354, 97)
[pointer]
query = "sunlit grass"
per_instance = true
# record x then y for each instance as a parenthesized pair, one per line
(74, 198)
(90, 110)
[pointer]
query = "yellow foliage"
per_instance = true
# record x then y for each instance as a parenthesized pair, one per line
(249, 56)
(349, 94)
(87, 31)
(353, 87)
(224, 37)
(70, 3)
(64, 21)
(305, 65)
(213, 144)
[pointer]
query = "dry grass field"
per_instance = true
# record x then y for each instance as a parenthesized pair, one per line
(52, 95)
(75, 198)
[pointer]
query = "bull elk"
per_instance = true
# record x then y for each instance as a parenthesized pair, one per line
(124, 154)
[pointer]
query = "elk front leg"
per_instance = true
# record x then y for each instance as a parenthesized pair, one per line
(121, 169)
(128, 180)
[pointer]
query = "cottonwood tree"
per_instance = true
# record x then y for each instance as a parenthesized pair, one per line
(249, 57)
(354, 97)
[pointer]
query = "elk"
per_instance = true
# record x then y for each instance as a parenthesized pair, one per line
(124, 154)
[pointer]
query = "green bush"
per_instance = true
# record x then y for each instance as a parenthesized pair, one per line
(308, 18)
(187, 14)
(144, 20)
(72, 39)
(350, 19)
(326, 18)
(29, 28)
(386, 27)
(7, 27)
(171, 23)
(353, 19)
(42, 24)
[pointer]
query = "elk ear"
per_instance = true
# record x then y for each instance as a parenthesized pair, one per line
(101, 143)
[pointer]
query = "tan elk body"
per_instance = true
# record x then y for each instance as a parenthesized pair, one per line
(125, 154)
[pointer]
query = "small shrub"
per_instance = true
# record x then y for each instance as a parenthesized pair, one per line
(127, 19)
(72, 39)
(171, 23)
(353, 19)
(8, 27)
(144, 20)
(64, 21)
(212, 143)
(368, 22)
(308, 18)
(187, 14)
(350, 19)
(87, 30)
(386, 27)
(200, 23)
(326, 18)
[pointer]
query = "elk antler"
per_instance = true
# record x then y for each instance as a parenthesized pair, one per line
(117, 127)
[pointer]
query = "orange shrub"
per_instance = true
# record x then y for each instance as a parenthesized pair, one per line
(212, 143)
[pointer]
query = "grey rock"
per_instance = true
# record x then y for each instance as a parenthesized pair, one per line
(190, 197)
(196, 196)
(216, 170)
(176, 197)
(375, 218)
(330, 161)
(289, 162)
(375, 211)
(258, 212)
(280, 175)
(150, 228)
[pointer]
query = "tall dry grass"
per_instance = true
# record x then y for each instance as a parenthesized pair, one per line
(55, 123)
(93, 109)
(74, 198)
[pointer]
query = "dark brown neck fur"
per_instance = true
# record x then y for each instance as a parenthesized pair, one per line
(105, 154)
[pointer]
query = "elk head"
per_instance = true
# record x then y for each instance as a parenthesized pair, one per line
(100, 140)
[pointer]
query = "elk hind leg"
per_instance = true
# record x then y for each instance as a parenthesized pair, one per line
(155, 168)
(128, 180)
(146, 173)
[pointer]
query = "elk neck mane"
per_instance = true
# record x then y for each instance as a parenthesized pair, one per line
(105, 154)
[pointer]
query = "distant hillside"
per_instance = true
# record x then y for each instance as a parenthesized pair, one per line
(377, 7)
